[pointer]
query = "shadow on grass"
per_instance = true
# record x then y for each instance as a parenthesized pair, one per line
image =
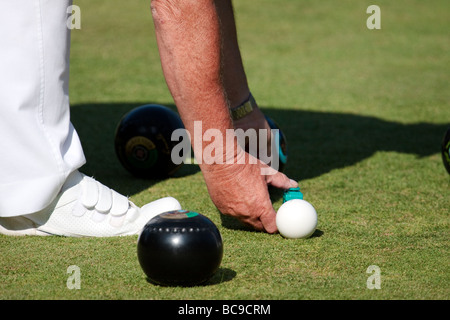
(220, 276)
(318, 142)
(96, 125)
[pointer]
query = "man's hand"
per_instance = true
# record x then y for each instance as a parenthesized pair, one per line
(241, 191)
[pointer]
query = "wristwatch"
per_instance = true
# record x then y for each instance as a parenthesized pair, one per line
(244, 109)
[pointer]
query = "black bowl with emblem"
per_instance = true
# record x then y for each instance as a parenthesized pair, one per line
(180, 248)
(143, 141)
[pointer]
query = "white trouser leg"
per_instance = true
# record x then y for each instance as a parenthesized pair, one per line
(38, 145)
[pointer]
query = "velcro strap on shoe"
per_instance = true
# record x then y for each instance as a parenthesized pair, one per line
(120, 204)
(119, 209)
(97, 196)
(89, 192)
(104, 202)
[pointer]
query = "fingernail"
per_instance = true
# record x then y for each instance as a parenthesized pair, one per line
(293, 183)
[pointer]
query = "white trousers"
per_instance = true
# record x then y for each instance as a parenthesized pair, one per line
(39, 147)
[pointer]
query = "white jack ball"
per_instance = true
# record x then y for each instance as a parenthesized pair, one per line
(296, 219)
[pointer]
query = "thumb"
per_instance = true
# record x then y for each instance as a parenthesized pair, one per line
(268, 220)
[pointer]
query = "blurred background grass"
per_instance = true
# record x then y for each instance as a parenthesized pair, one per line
(364, 112)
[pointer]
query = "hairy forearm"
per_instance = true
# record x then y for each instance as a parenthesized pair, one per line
(189, 41)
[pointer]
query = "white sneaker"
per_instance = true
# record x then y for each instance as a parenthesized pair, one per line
(85, 207)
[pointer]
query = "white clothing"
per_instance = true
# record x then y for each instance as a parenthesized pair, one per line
(39, 146)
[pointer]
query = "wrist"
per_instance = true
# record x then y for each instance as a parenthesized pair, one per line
(216, 157)
(244, 108)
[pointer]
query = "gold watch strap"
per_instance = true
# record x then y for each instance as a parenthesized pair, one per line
(244, 109)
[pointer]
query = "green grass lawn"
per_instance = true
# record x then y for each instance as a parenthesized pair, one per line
(364, 112)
